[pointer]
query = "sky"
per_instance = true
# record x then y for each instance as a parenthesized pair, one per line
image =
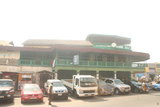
(75, 19)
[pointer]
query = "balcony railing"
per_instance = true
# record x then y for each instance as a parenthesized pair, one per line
(62, 62)
(82, 63)
(26, 62)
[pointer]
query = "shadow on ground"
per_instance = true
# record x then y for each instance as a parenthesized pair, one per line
(6, 103)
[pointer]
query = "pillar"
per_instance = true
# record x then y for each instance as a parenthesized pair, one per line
(56, 74)
(97, 74)
(78, 72)
(115, 75)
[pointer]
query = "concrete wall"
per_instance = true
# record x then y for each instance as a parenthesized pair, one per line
(9, 55)
(20, 69)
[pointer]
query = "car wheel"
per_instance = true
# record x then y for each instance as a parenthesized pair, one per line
(66, 98)
(116, 91)
(22, 102)
(99, 92)
(136, 90)
(75, 94)
(12, 100)
(41, 101)
(112, 94)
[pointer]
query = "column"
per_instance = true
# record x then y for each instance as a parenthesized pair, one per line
(78, 72)
(56, 74)
(97, 74)
(115, 76)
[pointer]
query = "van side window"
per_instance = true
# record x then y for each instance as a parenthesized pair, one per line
(77, 82)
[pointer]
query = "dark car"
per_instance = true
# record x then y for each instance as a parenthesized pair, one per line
(138, 87)
(7, 90)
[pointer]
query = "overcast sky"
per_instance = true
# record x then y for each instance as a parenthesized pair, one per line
(75, 19)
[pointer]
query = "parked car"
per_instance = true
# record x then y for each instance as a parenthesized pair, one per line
(120, 87)
(58, 91)
(156, 86)
(138, 87)
(7, 90)
(31, 92)
(105, 88)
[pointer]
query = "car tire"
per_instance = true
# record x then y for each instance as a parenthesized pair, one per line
(66, 98)
(12, 100)
(99, 92)
(75, 94)
(136, 90)
(22, 102)
(116, 91)
(41, 101)
(112, 94)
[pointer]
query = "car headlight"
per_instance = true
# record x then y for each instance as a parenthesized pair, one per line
(102, 89)
(40, 95)
(121, 88)
(81, 91)
(10, 91)
(65, 91)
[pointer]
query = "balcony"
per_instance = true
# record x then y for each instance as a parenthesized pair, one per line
(83, 63)
(26, 62)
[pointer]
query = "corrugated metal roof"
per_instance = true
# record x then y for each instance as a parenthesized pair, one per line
(45, 42)
(6, 43)
(101, 38)
(139, 55)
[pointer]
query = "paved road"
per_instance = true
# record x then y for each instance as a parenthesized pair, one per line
(132, 100)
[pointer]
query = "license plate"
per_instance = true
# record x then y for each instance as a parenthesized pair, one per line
(1, 96)
(86, 94)
(33, 98)
(59, 94)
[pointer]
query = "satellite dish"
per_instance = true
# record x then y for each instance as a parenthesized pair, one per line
(114, 44)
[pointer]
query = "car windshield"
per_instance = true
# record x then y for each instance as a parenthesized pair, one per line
(88, 82)
(58, 84)
(6, 83)
(117, 81)
(31, 88)
(136, 83)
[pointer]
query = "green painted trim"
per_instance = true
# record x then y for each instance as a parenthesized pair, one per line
(98, 64)
(76, 68)
(44, 63)
(109, 46)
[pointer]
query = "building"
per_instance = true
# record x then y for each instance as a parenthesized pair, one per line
(152, 70)
(99, 55)
(24, 65)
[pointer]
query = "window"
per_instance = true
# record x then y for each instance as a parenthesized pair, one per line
(77, 82)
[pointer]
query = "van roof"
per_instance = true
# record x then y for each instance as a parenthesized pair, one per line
(6, 80)
(54, 80)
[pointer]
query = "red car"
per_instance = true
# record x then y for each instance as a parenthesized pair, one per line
(31, 92)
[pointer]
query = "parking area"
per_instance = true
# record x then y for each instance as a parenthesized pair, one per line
(131, 100)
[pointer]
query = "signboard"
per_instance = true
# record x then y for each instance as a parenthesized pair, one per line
(76, 59)
(26, 76)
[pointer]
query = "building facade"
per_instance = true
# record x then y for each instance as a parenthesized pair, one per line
(99, 55)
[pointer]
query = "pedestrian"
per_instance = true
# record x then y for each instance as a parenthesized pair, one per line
(50, 93)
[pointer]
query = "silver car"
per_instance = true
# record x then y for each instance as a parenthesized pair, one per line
(120, 87)
(105, 88)
(59, 90)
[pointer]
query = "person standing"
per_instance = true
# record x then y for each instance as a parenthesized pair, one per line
(50, 93)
